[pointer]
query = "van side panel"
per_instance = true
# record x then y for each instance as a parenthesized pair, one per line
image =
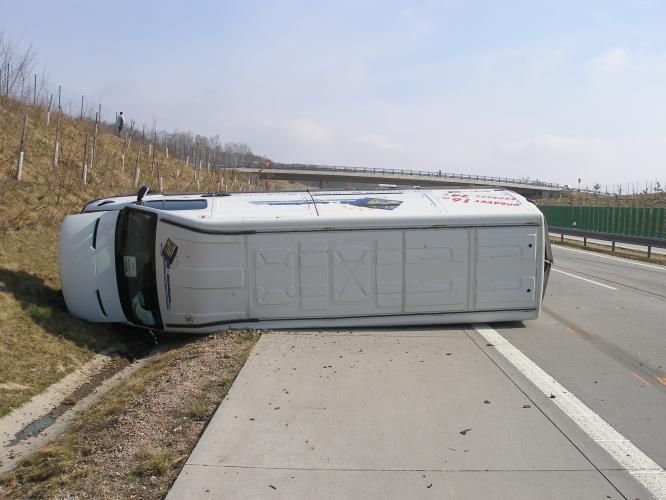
(365, 273)
(348, 273)
(345, 274)
(506, 270)
(207, 282)
(437, 270)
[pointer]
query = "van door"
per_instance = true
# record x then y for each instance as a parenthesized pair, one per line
(506, 268)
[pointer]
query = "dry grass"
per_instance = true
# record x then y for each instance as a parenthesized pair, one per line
(652, 200)
(46, 194)
(39, 341)
(135, 441)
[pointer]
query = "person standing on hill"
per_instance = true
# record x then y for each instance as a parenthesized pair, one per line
(121, 122)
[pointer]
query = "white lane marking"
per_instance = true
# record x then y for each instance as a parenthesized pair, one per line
(645, 470)
(584, 279)
(626, 261)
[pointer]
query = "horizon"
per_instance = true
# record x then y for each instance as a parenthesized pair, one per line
(550, 92)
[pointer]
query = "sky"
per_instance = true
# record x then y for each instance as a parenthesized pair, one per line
(551, 90)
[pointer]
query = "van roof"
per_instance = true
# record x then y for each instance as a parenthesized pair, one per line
(366, 209)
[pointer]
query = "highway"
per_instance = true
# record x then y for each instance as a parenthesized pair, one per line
(571, 405)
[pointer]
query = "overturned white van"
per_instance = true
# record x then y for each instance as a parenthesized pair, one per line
(204, 262)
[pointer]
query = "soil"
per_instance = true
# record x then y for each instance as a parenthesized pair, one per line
(134, 442)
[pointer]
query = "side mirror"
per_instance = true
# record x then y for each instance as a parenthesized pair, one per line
(143, 191)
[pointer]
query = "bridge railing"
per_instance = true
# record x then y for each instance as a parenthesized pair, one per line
(506, 181)
(413, 173)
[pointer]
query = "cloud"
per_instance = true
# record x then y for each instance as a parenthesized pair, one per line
(308, 131)
(551, 144)
(381, 142)
(564, 159)
(613, 60)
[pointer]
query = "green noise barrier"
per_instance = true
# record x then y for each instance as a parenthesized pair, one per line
(647, 222)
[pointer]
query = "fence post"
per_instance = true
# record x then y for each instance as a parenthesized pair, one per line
(153, 147)
(137, 169)
(56, 145)
(84, 165)
(94, 144)
(48, 111)
(19, 166)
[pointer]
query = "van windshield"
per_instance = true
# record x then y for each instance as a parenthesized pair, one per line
(135, 267)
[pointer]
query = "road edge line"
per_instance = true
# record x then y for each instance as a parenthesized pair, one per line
(584, 279)
(641, 467)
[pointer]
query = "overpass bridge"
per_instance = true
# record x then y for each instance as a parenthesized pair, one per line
(324, 174)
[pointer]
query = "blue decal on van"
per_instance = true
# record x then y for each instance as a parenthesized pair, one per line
(375, 203)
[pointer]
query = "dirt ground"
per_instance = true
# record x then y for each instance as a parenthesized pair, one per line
(133, 443)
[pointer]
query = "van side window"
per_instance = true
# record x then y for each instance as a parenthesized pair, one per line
(177, 204)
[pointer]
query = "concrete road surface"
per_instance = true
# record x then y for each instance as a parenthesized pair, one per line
(446, 413)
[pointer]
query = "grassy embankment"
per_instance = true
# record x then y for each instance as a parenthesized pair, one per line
(134, 441)
(649, 200)
(39, 341)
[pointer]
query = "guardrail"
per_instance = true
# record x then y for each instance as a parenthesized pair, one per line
(414, 173)
(613, 238)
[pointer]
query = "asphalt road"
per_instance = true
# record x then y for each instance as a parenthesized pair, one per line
(572, 405)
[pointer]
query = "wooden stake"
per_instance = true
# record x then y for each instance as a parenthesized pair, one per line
(152, 155)
(84, 166)
(137, 169)
(56, 145)
(19, 165)
(128, 137)
(94, 144)
(48, 111)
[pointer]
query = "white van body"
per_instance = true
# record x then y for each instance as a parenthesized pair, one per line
(201, 263)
